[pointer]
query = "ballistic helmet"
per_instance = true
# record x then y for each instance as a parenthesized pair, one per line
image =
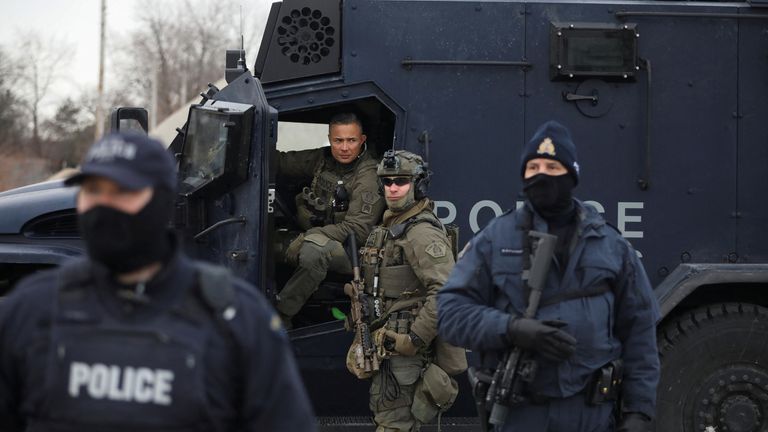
(399, 163)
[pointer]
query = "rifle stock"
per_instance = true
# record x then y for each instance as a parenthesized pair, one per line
(518, 367)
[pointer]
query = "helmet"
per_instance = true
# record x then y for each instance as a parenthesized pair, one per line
(404, 163)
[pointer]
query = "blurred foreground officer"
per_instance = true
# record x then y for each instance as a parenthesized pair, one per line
(405, 262)
(139, 337)
(593, 333)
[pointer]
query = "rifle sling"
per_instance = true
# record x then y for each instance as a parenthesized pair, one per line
(592, 291)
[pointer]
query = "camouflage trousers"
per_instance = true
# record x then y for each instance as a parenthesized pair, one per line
(317, 256)
(392, 393)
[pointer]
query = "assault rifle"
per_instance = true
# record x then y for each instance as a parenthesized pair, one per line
(366, 358)
(518, 367)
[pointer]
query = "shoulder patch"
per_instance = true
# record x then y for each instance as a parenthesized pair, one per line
(436, 249)
(370, 197)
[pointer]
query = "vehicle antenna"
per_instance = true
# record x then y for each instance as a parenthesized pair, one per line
(424, 140)
(240, 60)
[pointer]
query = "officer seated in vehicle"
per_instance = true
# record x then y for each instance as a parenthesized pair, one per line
(137, 336)
(341, 196)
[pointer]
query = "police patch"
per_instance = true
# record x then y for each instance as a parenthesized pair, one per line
(370, 197)
(546, 147)
(436, 249)
(367, 208)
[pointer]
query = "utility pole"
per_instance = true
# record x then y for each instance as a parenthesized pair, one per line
(100, 99)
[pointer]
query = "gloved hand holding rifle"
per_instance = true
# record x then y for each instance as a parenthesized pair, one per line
(527, 335)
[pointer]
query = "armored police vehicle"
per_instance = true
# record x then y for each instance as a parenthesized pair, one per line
(667, 102)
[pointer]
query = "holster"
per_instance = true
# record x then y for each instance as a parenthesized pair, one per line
(605, 384)
(480, 381)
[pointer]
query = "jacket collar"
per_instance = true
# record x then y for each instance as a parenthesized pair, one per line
(589, 219)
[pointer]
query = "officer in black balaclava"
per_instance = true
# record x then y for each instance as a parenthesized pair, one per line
(550, 172)
(593, 333)
(137, 336)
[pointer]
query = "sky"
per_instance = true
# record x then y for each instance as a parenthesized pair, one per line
(75, 22)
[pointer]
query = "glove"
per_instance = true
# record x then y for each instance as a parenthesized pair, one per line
(403, 343)
(292, 251)
(544, 337)
(635, 422)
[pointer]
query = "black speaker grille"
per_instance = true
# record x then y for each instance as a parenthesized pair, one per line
(305, 36)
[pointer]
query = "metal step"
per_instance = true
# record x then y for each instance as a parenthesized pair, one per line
(346, 424)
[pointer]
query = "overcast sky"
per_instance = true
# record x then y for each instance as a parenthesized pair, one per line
(77, 23)
(74, 21)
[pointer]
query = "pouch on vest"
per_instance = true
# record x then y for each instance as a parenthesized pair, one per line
(435, 393)
(317, 238)
(452, 231)
(451, 359)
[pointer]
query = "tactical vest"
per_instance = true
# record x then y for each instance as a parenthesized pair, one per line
(324, 185)
(106, 373)
(389, 279)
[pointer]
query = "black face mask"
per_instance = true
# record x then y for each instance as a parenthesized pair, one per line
(550, 195)
(126, 242)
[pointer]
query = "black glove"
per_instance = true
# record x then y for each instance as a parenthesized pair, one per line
(635, 422)
(544, 337)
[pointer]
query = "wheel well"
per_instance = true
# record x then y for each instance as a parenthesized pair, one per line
(753, 293)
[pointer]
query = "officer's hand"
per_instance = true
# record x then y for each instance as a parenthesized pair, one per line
(292, 252)
(544, 337)
(635, 422)
(403, 343)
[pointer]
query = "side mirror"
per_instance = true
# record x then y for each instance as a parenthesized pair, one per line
(128, 119)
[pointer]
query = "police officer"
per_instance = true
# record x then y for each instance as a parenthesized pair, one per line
(137, 336)
(343, 198)
(405, 262)
(597, 305)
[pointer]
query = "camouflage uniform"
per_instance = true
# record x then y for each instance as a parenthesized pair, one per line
(321, 249)
(411, 257)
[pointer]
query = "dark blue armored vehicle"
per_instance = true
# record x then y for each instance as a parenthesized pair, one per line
(667, 101)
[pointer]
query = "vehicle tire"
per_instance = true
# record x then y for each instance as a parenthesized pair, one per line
(714, 370)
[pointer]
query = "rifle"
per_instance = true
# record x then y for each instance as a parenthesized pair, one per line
(366, 358)
(518, 367)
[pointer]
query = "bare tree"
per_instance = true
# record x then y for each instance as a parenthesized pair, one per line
(39, 62)
(11, 118)
(68, 133)
(179, 48)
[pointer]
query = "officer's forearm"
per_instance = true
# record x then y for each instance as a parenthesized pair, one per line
(472, 326)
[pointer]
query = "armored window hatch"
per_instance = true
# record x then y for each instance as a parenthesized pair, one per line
(593, 50)
(215, 154)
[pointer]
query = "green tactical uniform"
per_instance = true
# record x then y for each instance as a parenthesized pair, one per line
(405, 261)
(326, 229)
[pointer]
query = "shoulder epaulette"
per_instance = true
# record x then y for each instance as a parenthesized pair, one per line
(216, 286)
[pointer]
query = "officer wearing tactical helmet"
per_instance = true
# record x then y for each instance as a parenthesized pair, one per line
(342, 197)
(593, 334)
(405, 261)
(137, 336)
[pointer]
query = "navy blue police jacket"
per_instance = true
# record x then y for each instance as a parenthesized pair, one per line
(95, 355)
(485, 291)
